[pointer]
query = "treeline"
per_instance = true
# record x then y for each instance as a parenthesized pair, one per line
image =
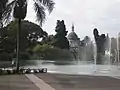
(35, 43)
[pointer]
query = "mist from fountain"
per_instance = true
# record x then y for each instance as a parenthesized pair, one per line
(107, 60)
(86, 53)
(95, 52)
(118, 49)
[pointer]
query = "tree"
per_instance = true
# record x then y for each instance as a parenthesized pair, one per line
(60, 39)
(3, 4)
(100, 44)
(29, 35)
(48, 40)
(47, 52)
(4, 56)
(19, 9)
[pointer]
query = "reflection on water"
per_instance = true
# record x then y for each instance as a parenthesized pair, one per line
(70, 67)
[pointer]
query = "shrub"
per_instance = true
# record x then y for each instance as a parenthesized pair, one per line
(48, 52)
(24, 56)
(4, 56)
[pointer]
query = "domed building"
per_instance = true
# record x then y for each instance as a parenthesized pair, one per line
(73, 39)
(74, 43)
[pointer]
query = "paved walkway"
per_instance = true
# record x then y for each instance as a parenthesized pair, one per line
(16, 82)
(80, 82)
(39, 82)
(45, 81)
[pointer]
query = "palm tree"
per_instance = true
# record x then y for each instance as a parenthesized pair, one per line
(18, 8)
(2, 9)
(40, 6)
(3, 4)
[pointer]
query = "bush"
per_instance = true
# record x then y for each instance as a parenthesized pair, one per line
(5, 56)
(47, 52)
(24, 56)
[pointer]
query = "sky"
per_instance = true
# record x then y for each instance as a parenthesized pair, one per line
(85, 14)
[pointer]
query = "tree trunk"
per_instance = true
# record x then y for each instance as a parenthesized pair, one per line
(18, 45)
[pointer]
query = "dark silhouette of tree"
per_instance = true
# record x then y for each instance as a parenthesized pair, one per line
(3, 4)
(100, 43)
(60, 39)
(20, 9)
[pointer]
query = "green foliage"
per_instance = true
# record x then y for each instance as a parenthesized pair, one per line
(48, 52)
(5, 56)
(29, 35)
(60, 39)
(48, 40)
(41, 48)
(7, 43)
(24, 56)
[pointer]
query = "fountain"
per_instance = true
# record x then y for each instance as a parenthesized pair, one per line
(95, 52)
(108, 50)
(86, 51)
(99, 52)
(118, 49)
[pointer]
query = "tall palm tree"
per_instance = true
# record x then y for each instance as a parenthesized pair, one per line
(40, 6)
(3, 4)
(18, 8)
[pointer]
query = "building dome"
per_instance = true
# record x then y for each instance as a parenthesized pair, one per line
(72, 35)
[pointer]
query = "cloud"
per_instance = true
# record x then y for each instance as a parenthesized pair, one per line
(86, 14)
